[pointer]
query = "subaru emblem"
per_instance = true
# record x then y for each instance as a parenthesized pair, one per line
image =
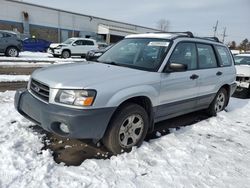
(37, 89)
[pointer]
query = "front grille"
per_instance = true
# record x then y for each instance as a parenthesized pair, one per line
(40, 90)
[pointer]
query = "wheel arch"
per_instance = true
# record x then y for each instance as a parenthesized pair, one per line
(227, 88)
(143, 101)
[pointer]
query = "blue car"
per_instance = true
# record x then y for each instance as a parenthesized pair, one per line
(35, 45)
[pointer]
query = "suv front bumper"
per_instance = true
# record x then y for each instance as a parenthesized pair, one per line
(81, 123)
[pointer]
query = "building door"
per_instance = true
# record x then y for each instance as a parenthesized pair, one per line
(64, 35)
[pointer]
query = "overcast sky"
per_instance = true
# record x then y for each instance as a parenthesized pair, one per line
(198, 16)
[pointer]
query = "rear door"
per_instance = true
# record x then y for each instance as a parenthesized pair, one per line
(210, 74)
(227, 65)
(179, 89)
(88, 45)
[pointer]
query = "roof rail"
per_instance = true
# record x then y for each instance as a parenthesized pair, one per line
(187, 33)
(211, 38)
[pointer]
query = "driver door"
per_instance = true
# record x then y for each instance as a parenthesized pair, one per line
(179, 90)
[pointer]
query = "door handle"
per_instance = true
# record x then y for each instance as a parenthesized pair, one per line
(219, 73)
(194, 76)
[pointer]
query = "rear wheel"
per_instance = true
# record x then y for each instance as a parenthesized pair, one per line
(65, 54)
(12, 52)
(128, 128)
(219, 103)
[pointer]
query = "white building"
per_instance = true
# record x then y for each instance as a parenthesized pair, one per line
(57, 25)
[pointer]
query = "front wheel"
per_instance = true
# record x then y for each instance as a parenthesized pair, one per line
(128, 128)
(12, 52)
(65, 54)
(219, 103)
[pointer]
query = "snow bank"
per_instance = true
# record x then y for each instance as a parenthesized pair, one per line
(14, 78)
(211, 153)
(37, 56)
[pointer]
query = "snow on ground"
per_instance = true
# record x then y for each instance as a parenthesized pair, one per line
(14, 78)
(212, 153)
(37, 56)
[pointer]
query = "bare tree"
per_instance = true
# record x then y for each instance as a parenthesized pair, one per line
(163, 25)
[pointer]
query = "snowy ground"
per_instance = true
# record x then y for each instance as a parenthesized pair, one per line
(36, 56)
(211, 153)
(14, 78)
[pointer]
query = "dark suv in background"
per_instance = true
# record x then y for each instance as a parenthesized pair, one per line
(10, 44)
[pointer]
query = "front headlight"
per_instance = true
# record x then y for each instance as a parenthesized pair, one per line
(76, 97)
(98, 54)
(58, 47)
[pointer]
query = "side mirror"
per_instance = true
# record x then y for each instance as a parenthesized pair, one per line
(74, 44)
(176, 67)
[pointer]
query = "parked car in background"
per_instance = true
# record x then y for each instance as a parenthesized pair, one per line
(235, 52)
(73, 47)
(242, 64)
(35, 45)
(10, 44)
(102, 45)
(93, 55)
(143, 79)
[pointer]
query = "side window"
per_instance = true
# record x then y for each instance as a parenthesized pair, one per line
(7, 35)
(206, 56)
(185, 53)
(225, 57)
(78, 42)
(1, 35)
(88, 42)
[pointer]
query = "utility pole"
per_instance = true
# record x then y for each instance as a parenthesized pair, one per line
(224, 34)
(215, 28)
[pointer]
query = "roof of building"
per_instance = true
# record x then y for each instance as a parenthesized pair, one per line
(79, 14)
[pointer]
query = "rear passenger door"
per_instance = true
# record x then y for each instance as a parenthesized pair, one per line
(88, 45)
(226, 62)
(209, 73)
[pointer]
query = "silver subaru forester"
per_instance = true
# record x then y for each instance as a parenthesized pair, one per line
(143, 79)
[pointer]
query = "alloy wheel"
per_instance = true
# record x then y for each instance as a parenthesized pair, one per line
(131, 130)
(220, 102)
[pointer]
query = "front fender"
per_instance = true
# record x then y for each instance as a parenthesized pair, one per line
(147, 91)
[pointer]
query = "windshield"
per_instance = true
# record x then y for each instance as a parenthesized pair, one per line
(242, 60)
(68, 41)
(139, 53)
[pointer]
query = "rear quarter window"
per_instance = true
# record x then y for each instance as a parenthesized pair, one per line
(224, 56)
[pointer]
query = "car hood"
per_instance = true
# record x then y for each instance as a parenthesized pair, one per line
(243, 70)
(83, 74)
(54, 45)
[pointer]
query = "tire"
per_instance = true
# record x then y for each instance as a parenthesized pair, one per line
(55, 55)
(219, 103)
(66, 54)
(122, 134)
(12, 52)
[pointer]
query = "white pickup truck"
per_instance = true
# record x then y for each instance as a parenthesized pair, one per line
(73, 47)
